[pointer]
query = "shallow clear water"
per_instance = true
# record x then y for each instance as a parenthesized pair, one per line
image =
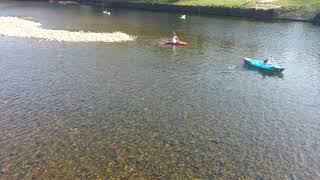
(145, 110)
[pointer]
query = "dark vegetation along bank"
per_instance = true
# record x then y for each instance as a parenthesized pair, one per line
(299, 10)
(316, 19)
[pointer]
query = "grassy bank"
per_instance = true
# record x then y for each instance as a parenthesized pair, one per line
(288, 9)
(222, 3)
(229, 3)
(235, 3)
(301, 10)
(297, 3)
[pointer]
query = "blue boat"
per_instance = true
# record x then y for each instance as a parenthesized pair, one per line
(261, 65)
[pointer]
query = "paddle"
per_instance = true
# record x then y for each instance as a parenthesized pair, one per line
(274, 61)
(174, 33)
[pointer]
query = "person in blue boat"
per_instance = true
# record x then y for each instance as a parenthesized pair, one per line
(266, 61)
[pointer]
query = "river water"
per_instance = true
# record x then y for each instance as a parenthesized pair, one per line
(145, 110)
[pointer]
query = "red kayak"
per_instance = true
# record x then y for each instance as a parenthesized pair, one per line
(178, 43)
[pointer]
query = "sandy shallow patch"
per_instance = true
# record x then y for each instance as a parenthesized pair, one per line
(18, 27)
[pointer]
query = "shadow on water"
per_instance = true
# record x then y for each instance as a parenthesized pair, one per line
(263, 73)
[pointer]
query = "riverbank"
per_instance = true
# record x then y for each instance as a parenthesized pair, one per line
(262, 9)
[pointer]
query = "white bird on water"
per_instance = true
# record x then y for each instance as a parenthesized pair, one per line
(106, 12)
(183, 17)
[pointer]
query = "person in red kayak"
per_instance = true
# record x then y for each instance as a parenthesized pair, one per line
(175, 39)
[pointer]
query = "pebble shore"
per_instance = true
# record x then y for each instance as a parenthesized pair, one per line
(18, 27)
